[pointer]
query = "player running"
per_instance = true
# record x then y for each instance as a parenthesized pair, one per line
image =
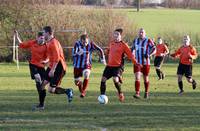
(82, 61)
(57, 66)
(143, 48)
(36, 64)
(161, 51)
(114, 68)
(186, 53)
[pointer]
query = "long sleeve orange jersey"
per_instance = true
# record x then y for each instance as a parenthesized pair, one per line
(186, 54)
(55, 53)
(161, 48)
(38, 52)
(116, 53)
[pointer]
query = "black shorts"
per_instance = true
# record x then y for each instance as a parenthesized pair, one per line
(184, 70)
(36, 70)
(112, 72)
(58, 75)
(158, 61)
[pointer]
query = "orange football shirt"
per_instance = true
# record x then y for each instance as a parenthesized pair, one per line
(55, 53)
(38, 52)
(184, 53)
(161, 48)
(116, 51)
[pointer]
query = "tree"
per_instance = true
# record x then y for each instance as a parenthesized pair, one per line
(138, 5)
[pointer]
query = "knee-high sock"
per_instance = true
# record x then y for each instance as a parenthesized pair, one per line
(118, 87)
(137, 87)
(85, 84)
(42, 97)
(60, 90)
(146, 85)
(180, 85)
(103, 88)
(158, 72)
(80, 86)
(41, 93)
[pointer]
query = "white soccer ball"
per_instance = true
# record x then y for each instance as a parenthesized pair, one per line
(103, 99)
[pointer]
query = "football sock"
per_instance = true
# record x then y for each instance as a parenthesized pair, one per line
(38, 86)
(80, 86)
(60, 90)
(158, 72)
(180, 85)
(85, 84)
(103, 88)
(146, 85)
(137, 87)
(41, 93)
(193, 81)
(42, 96)
(118, 86)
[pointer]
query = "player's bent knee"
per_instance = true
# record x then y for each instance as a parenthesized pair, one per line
(51, 89)
(38, 78)
(86, 73)
(115, 79)
(103, 79)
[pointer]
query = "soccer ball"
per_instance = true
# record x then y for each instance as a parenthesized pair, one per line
(103, 99)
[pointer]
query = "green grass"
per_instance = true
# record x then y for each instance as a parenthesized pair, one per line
(157, 21)
(165, 110)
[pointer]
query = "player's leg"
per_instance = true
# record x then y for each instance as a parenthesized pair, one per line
(180, 73)
(137, 72)
(180, 83)
(188, 75)
(55, 81)
(117, 73)
(77, 78)
(145, 71)
(86, 75)
(157, 65)
(37, 75)
(146, 85)
(106, 75)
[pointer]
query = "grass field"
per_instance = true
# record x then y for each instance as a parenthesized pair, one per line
(158, 21)
(165, 110)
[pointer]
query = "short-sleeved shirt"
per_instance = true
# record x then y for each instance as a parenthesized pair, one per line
(161, 48)
(141, 49)
(117, 50)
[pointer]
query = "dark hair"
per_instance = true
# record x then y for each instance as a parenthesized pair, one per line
(48, 29)
(40, 33)
(84, 36)
(120, 30)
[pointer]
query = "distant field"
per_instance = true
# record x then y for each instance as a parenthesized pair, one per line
(165, 110)
(157, 21)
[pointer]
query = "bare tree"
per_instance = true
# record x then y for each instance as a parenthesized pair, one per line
(138, 5)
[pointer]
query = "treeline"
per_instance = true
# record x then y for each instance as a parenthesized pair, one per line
(28, 19)
(193, 4)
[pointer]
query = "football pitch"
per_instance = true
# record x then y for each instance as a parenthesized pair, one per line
(165, 110)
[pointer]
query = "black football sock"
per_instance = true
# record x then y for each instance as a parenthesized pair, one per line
(103, 88)
(158, 73)
(41, 93)
(193, 81)
(180, 85)
(60, 90)
(118, 87)
(42, 96)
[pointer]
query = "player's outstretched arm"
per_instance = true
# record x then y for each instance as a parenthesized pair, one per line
(17, 36)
